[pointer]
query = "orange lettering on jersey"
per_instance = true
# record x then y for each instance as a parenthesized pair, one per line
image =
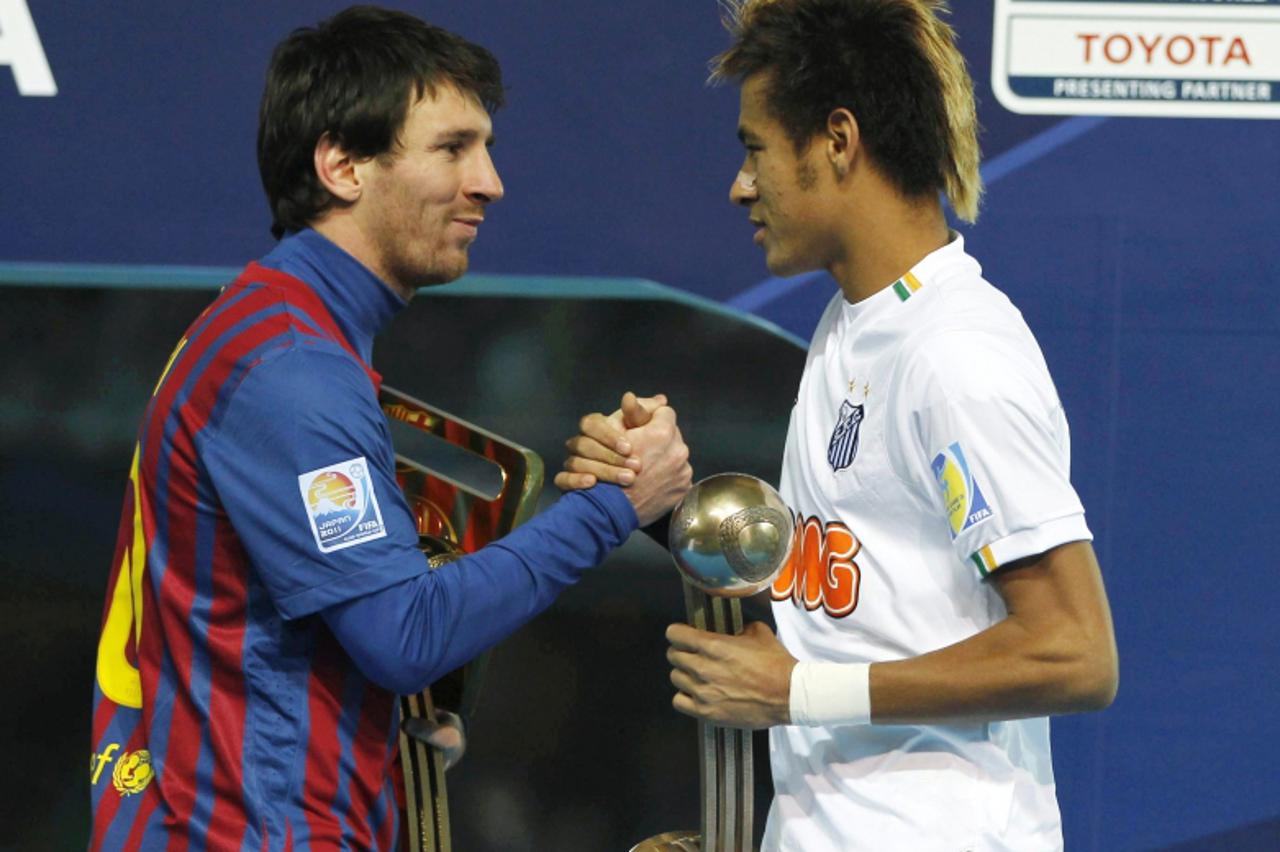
(821, 571)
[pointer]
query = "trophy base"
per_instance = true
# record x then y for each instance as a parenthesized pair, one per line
(671, 841)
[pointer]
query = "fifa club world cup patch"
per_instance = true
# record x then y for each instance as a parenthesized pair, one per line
(341, 505)
(843, 446)
(960, 492)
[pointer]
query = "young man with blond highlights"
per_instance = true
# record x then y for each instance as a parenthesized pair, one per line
(942, 598)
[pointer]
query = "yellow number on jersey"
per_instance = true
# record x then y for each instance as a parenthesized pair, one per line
(117, 677)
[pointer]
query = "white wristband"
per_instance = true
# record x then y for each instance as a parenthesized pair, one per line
(831, 694)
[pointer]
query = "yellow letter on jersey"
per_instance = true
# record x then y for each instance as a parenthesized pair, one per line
(117, 677)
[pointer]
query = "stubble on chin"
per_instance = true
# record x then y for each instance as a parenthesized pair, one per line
(437, 270)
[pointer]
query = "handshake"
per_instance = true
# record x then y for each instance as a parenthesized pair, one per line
(740, 681)
(639, 447)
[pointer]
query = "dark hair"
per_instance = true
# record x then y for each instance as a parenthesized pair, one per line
(892, 63)
(351, 76)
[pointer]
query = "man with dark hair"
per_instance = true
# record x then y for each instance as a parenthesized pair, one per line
(942, 597)
(267, 599)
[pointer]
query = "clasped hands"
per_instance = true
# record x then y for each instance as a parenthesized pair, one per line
(739, 681)
(639, 447)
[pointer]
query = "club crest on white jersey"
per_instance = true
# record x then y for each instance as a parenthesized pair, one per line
(961, 495)
(341, 505)
(843, 447)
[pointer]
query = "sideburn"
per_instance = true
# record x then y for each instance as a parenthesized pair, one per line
(806, 176)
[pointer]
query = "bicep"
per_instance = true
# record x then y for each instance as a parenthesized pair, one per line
(301, 465)
(1061, 584)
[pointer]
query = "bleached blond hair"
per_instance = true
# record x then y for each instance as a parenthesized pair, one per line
(893, 63)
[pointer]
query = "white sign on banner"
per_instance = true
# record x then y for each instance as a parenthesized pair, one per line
(1189, 58)
(21, 50)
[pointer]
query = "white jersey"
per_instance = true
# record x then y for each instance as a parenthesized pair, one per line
(927, 447)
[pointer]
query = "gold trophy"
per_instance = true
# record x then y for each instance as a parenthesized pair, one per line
(730, 536)
(466, 487)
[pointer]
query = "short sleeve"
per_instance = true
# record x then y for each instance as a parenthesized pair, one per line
(982, 438)
(302, 463)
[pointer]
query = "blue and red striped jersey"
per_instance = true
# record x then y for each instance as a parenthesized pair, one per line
(262, 515)
(262, 490)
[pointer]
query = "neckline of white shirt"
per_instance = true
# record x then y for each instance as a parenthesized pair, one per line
(924, 271)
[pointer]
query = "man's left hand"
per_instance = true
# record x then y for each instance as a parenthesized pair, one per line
(739, 681)
(446, 735)
(602, 450)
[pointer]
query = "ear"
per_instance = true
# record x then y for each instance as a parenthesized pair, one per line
(842, 140)
(336, 169)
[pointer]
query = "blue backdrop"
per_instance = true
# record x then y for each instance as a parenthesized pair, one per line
(1144, 253)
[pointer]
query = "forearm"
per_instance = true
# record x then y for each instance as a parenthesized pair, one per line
(407, 636)
(1054, 653)
(1008, 671)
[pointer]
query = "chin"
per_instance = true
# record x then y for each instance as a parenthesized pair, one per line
(786, 266)
(442, 273)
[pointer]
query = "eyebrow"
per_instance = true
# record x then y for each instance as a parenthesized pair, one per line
(463, 136)
(745, 135)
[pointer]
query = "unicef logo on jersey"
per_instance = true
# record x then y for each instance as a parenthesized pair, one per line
(961, 495)
(341, 505)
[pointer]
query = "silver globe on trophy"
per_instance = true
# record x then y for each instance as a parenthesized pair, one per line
(730, 536)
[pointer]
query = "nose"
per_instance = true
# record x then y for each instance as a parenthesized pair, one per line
(743, 190)
(483, 184)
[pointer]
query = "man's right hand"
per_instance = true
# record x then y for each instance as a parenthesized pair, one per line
(640, 447)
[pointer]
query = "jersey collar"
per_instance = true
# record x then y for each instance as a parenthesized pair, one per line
(918, 278)
(360, 302)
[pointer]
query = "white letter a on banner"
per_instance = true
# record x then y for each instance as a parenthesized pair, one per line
(21, 50)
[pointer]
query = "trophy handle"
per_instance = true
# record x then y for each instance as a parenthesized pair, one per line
(725, 767)
(466, 486)
(425, 796)
(728, 790)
